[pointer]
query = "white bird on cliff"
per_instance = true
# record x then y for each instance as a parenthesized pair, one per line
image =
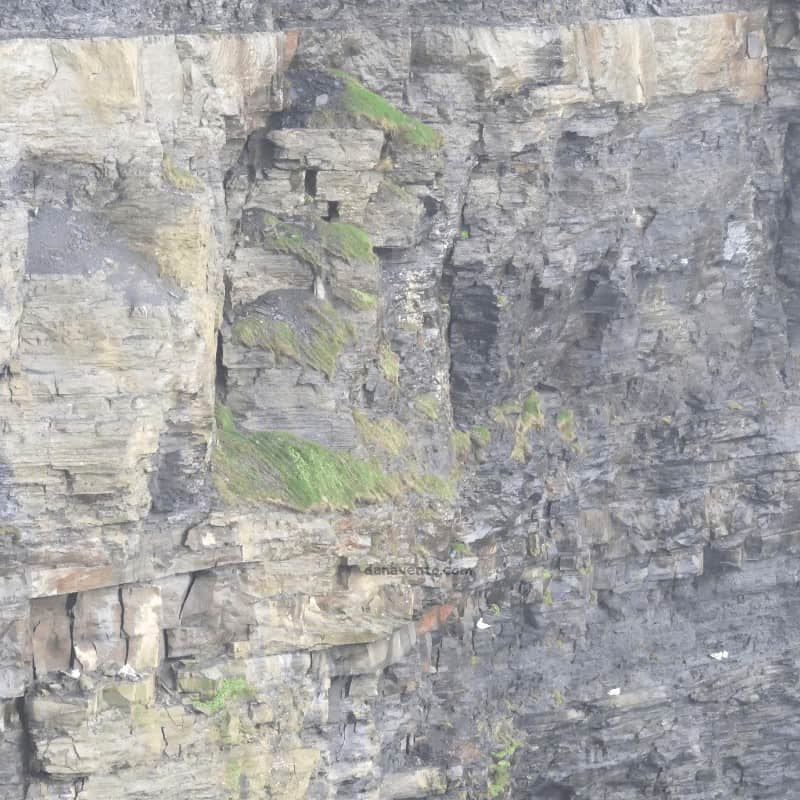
(720, 655)
(128, 673)
(481, 625)
(615, 692)
(71, 673)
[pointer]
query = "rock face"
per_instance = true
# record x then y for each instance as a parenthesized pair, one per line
(399, 400)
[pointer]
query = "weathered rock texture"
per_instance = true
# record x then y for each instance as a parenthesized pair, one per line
(261, 333)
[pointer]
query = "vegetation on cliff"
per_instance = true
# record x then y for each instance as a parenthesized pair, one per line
(361, 102)
(500, 770)
(317, 345)
(389, 364)
(228, 690)
(356, 299)
(177, 177)
(310, 243)
(276, 467)
(385, 433)
(427, 405)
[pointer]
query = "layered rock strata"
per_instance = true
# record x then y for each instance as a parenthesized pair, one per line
(327, 332)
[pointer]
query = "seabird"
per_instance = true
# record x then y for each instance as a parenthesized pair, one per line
(720, 655)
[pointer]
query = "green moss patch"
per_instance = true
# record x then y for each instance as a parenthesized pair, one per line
(500, 771)
(275, 467)
(433, 486)
(521, 416)
(363, 103)
(267, 333)
(389, 364)
(530, 416)
(505, 414)
(309, 245)
(427, 405)
(233, 772)
(565, 422)
(177, 177)
(318, 345)
(531, 411)
(481, 435)
(293, 240)
(356, 299)
(347, 241)
(385, 433)
(461, 444)
(329, 335)
(224, 418)
(228, 690)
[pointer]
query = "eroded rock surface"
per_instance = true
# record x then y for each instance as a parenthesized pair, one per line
(399, 400)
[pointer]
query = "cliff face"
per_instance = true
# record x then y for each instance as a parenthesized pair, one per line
(399, 400)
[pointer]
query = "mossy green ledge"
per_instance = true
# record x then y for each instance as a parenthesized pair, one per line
(363, 103)
(280, 468)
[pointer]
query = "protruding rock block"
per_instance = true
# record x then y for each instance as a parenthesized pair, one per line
(51, 635)
(127, 694)
(142, 625)
(97, 635)
(417, 783)
(329, 149)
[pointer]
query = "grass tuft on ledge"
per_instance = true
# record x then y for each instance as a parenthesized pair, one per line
(531, 416)
(340, 239)
(276, 467)
(318, 347)
(500, 769)
(565, 423)
(461, 445)
(347, 241)
(481, 435)
(293, 240)
(228, 690)
(356, 299)
(361, 102)
(389, 364)
(177, 177)
(385, 433)
(267, 333)
(427, 404)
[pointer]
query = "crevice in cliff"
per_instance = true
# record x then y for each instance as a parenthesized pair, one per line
(310, 182)
(192, 579)
(122, 634)
(447, 285)
(221, 374)
(220, 370)
(72, 599)
(26, 744)
(333, 211)
(343, 574)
